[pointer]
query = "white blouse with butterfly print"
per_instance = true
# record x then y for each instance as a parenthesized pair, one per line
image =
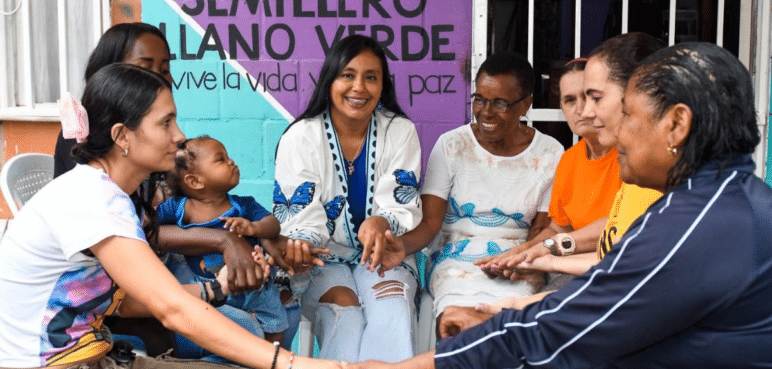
(309, 197)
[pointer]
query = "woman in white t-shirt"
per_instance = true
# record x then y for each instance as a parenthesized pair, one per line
(77, 251)
(487, 189)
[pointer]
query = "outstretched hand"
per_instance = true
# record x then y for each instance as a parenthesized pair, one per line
(516, 303)
(505, 264)
(370, 364)
(294, 256)
(456, 319)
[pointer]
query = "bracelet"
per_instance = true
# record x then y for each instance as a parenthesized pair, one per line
(204, 294)
(291, 359)
(219, 297)
(275, 354)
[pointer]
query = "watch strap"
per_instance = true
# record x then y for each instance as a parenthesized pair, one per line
(565, 244)
(550, 244)
(219, 296)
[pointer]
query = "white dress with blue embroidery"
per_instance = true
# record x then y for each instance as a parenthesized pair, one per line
(492, 201)
(310, 190)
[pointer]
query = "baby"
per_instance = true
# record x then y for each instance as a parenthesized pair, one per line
(199, 185)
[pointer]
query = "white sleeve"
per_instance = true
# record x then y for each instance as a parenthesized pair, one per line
(438, 180)
(397, 191)
(552, 156)
(297, 188)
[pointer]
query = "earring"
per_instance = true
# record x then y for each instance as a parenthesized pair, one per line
(672, 150)
(125, 153)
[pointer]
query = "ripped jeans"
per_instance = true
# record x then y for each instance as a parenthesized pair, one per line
(380, 328)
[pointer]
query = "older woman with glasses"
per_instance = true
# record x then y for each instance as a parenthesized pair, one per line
(487, 189)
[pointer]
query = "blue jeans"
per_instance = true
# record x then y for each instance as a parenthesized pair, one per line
(381, 328)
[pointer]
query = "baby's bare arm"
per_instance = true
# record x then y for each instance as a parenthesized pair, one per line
(268, 227)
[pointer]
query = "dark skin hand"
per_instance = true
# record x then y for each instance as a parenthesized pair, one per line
(456, 319)
(243, 273)
(294, 256)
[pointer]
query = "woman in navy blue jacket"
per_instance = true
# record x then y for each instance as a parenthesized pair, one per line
(690, 283)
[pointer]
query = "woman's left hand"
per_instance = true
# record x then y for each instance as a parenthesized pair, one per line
(380, 246)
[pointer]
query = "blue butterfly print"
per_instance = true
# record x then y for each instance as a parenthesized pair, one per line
(407, 188)
(284, 209)
(333, 210)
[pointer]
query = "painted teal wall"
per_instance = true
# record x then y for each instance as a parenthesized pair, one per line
(429, 43)
(245, 123)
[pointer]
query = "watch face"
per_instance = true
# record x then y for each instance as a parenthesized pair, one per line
(566, 244)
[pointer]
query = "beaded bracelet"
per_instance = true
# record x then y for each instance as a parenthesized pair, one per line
(291, 359)
(275, 354)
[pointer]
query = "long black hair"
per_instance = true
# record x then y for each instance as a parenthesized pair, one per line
(338, 57)
(116, 43)
(120, 93)
(717, 88)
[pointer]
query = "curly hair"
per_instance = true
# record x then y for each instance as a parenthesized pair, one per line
(184, 162)
(510, 63)
(717, 88)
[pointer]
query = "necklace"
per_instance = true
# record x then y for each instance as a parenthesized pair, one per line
(350, 164)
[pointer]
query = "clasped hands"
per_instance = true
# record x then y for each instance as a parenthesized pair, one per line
(381, 249)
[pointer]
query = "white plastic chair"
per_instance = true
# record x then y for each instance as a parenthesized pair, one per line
(426, 336)
(22, 176)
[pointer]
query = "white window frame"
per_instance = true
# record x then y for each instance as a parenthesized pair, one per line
(754, 53)
(17, 90)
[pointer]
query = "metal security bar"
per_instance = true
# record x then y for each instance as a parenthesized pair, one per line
(754, 52)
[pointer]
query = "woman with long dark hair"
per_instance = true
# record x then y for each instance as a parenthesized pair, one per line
(77, 252)
(346, 180)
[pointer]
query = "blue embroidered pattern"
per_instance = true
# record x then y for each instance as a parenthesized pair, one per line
(333, 209)
(312, 237)
(454, 251)
(285, 209)
(498, 218)
(407, 186)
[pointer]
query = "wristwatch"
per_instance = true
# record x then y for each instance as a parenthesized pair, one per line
(219, 297)
(550, 245)
(565, 244)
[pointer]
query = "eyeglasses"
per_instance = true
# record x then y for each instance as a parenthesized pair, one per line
(500, 105)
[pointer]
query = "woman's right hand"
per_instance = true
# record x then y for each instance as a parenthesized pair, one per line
(504, 264)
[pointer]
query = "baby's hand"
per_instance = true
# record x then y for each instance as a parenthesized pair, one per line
(259, 257)
(240, 226)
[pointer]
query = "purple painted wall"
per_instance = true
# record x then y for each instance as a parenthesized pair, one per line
(270, 52)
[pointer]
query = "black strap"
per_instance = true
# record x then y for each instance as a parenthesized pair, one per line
(219, 297)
